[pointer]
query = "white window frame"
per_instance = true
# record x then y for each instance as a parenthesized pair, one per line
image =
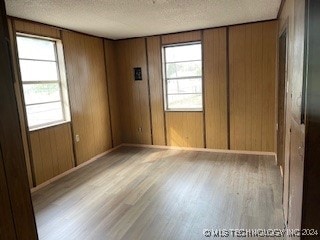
(165, 79)
(62, 82)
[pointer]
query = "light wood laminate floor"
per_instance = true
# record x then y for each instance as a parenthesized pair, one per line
(144, 193)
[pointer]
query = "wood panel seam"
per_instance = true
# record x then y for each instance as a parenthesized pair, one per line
(148, 83)
(203, 94)
(162, 85)
(228, 87)
(108, 91)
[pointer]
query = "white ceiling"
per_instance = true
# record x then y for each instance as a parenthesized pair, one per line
(118, 19)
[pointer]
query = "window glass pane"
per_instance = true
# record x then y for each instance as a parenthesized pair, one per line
(44, 113)
(183, 53)
(39, 93)
(184, 69)
(184, 86)
(183, 65)
(33, 48)
(39, 65)
(38, 70)
(185, 101)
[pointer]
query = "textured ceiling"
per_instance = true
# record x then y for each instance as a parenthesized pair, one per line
(118, 19)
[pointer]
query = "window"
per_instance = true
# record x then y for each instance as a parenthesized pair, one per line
(41, 76)
(183, 77)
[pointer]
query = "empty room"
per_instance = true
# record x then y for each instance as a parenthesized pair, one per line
(159, 119)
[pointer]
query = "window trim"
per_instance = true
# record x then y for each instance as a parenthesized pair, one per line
(64, 101)
(165, 79)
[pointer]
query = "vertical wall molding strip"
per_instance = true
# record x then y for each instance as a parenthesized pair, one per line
(148, 83)
(228, 87)
(162, 85)
(203, 94)
(108, 91)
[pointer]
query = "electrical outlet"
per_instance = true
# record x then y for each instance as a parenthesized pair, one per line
(77, 138)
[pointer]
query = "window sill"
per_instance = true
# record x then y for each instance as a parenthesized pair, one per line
(184, 110)
(48, 126)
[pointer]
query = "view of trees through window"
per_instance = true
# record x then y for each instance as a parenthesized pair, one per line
(183, 77)
(40, 80)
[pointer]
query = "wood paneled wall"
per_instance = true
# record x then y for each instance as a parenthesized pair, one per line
(141, 102)
(42, 159)
(113, 86)
(185, 129)
(86, 74)
(239, 76)
(181, 37)
(215, 87)
(52, 152)
(134, 95)
(252, 64)
(89, 100)
(36, 29)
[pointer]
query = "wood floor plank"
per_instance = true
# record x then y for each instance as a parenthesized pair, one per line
(144, 193)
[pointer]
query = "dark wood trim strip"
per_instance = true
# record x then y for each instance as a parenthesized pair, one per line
(228, 86)
(148, 83)
(162, 87)
(305, 57)
(280, 8)
(7, 227)
(203, 95)
(72, 137)
(107, 83)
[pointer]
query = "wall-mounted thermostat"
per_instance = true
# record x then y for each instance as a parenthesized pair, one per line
(137, 74)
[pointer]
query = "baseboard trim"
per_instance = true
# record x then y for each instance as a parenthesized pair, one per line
(201, 149)
(34, 189)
